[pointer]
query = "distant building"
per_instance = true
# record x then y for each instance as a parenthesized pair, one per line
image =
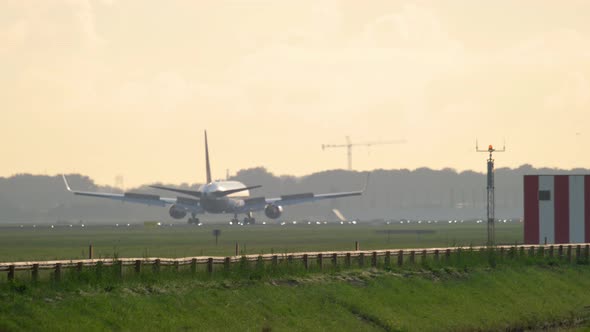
(556, 209)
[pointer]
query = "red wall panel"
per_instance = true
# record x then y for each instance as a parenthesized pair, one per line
(587, 208)
(562, 209)
(531, 209)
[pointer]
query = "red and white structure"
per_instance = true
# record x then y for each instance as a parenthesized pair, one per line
(556, 209)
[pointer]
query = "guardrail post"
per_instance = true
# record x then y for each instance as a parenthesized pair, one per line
(237, 249)
(35, 272)
(99, 269)
(347, 260)
(275, 260)
(423, 257)
(387, 258)
(57, 272)
(90, 251)
(193, 265)
(448, 256)
(334, 259)
(502, 252)
(362, 259)
(11, 273)
(436, 255)
(512, 252)
(400, 258)
(290, 259)
(560, 251)
(569, 253)
(521, 251)
(542, 251)
(118, 268)
(138, 266)
(578, 253)
(259, 262)
(210, 265)
(156, 266)
(305, 262)
(79, 267)
(412, 257)
(321, 261)
(586, 252)
(532, 251)
(176, 266)
(357, 246)
(227, 262)
(374, 259)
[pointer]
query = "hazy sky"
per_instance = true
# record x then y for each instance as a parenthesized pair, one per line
(127, 87)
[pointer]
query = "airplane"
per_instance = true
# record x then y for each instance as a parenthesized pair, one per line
(214, 197)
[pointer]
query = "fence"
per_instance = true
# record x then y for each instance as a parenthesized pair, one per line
(398, 256)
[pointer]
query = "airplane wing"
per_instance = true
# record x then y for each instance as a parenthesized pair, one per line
(198, 193)
(182, 191)
(147, 199)
(258, 203)
(309, 197)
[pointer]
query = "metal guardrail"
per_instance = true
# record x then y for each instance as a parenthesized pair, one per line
(438, 253)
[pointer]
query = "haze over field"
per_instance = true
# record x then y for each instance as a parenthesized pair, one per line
(108, 87)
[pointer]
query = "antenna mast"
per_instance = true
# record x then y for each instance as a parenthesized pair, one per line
(349, 145)
(490, 191)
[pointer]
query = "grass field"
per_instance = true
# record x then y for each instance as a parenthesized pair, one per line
(43, 243)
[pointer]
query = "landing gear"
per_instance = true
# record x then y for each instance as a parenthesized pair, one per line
(249, 219)
(193, 220)
(246, 221)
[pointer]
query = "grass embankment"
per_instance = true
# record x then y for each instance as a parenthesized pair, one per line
(453, 298)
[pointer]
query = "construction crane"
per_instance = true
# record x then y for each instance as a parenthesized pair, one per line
(349, 146)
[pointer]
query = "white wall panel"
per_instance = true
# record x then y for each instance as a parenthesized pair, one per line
(547, 211)
(576, 191)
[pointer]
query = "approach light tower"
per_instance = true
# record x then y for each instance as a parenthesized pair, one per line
(349, 146)
(490, 190)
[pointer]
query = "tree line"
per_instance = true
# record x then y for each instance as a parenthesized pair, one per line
(422, 193)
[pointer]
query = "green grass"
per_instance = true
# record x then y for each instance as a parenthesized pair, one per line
(432, 299)
(71, 243)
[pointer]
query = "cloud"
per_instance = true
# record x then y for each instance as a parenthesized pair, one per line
(83, 11)
(413, 26)
(556, 47)
(572, 95)
(48, 24)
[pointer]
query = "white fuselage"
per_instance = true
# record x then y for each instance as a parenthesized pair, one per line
(226, 204)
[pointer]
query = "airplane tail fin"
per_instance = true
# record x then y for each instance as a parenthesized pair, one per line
(339, 215)
(66, 183)
(208, 166)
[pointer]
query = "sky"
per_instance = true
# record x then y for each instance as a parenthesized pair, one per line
(112, 87)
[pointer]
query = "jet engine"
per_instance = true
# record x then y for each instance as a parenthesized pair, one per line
(177, 212)
(273, 211)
